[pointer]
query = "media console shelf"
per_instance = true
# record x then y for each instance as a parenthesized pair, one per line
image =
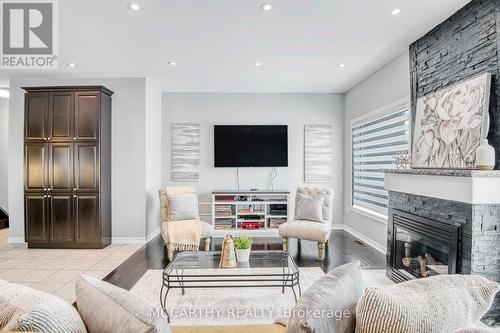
(253, 213)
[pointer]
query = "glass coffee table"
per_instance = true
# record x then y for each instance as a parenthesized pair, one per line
(200, 270)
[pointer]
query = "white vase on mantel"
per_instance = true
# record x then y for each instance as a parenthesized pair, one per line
(485, 156)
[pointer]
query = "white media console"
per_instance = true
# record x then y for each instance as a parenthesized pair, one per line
(253, 213)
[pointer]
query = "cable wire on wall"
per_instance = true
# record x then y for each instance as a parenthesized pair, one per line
(272, 177)
(238, 178)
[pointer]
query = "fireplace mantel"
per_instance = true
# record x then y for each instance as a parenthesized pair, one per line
(468, 186)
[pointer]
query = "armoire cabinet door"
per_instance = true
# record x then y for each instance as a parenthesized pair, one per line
(87, 218)
(62, 228)
(36, 218)
(36, 116)
(87, 115)
(87, 167)
(61, 166)
(35, 168)
(61, 116)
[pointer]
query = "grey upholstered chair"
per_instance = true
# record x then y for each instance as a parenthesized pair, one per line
(207, 230)
(311, 230)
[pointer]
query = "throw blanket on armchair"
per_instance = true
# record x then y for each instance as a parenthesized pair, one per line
(184, 235)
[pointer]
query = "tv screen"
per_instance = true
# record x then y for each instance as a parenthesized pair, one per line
(250, 146)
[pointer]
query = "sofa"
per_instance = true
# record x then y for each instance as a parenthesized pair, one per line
(453, 303)
(275, 328)
(100, 308)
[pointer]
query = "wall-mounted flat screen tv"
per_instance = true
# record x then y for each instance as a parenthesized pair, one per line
(250, 146)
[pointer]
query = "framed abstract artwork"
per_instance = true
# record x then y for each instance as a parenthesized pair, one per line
(185, 155)
(317, 153)
(450, 124)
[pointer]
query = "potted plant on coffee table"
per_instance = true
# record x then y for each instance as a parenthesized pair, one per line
(242, 245)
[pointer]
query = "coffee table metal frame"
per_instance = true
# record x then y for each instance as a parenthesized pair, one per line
(174, 276)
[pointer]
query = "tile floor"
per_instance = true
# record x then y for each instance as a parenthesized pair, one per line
(55, 270)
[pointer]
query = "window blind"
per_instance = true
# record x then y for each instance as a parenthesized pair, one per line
(375, 142)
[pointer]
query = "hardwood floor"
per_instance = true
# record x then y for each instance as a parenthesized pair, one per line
(342, 248)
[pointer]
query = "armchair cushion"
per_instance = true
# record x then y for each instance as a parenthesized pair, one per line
(183, 207)
(327, 204)
(308, 230)
(309, 207)
(171, 190)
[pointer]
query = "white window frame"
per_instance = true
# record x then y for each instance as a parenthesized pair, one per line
(372, 115)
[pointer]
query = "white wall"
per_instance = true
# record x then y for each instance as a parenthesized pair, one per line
(140, 160)
(128, 155)
(294, 110)
(153, 157)
(390, 83)
(4, 136)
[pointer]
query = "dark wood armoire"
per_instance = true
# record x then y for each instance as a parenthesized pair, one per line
(67, 167)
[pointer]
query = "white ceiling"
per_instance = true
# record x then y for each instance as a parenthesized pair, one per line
(216, 42)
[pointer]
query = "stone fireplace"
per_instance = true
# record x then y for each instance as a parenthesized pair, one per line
(444, 222)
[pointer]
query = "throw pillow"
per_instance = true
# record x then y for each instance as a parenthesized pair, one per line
(183, 207)
(26, 309)
(51, 317)
(106, 308)
(329, 305)
(309, 207)
(437, 304)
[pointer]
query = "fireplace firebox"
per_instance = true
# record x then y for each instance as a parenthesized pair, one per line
(421, 247)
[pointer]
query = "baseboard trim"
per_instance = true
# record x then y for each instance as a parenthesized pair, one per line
(362, 237)
(114, 240)
(15, 240)
(153, 234)
(128, 240)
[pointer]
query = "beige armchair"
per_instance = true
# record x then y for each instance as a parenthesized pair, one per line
(311, 230)
(207, 230)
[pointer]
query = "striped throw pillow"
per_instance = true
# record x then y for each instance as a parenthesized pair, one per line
(26, 309)
(438, 304)
(52, 317)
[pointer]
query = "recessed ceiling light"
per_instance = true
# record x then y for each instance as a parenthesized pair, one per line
(341, 65)
(257, 64)
(172, 63)
(266, 7)
(396, 11)
(134, 6)
(72, 65)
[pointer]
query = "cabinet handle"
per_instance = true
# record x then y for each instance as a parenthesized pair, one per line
(74, 196)
(48, 139)
(45, 139)
(45, 196)
(48, 196)
(74, 189)
(74, 139)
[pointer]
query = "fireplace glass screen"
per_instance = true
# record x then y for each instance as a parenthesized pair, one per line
(419, 256)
